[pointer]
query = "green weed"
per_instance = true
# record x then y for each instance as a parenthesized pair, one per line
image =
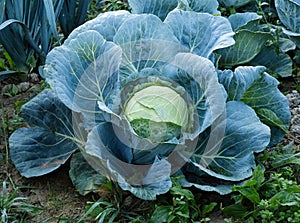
(14, 208)
(182, 207)
(273, 194)
(113, 208)
(113, 5)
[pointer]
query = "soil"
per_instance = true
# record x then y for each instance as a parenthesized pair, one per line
(54, 192)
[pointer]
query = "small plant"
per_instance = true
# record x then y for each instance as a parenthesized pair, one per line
(14, 208)
(7, 66)
(273, 195)
(179, 205)
(113, 5)
(113, 207)
(10, 90)
(182, 208)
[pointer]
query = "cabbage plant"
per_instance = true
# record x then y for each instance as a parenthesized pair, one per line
(288, 12)
(139, 98)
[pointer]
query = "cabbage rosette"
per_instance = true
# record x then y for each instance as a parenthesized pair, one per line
(145, 102)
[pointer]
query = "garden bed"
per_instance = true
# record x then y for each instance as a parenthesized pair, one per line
(55, 192)
(249, 43)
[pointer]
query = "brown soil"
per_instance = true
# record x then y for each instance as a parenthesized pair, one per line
(53, 192)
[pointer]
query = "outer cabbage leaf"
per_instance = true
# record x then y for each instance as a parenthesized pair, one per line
(264, 94)
(253, 46)
(209, 6)
(277, 62)
(289, 13)
(198, 76)
(49, 142)
(244, 135)
(248, 44)
(110, 157)
(295, 37)
(234, 3)
(260, 91)
(146, 42)
(236, 83)
(149, 190)
(239, 20)
(83, 72)
(159, 8)
(201, 33)
(286, 45)
(83, 176)
(192, 176)
(105, 23)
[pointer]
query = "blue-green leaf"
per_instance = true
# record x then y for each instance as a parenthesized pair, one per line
(143, 27)
(84, 72)
(239, 20)
(105, 23)
(278, 63)
(247, 45)
(236, 83)
(198, 76)
(159, 8)
(141, 38)
(201, 33)
(73, 14)
(7, 73)
(83, 176)
(2, 10)
(147, 192)
(234, 159)
(110, 156)
(51, 140)
(264, 93)
(258, 90)
(151, 188)
(295, 37)
(50, 15)
(289, 13)
(26, 31)
(193, 176)
(269, 117)
(209, 6)
(286, 45)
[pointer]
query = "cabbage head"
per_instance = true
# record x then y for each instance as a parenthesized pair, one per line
(141, 99)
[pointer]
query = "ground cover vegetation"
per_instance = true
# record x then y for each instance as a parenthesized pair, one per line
(155, 111)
